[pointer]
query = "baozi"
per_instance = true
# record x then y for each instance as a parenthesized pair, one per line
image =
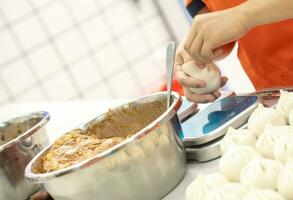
(233, 161)
(240, 137)
(267, 140)
(258, 194)
(291, 118)
(203, 185)
(262, 116)
(285, 182)
(283, 150)
(261, 173)
(285, 103)
(210, 74)
(229, 191)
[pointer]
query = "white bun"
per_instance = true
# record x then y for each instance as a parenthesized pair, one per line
(283, 150)
(258, 194)
(237, 137)
(203, 185)
(267, 140)
(228, 191)
(291, 118)
(262, 116)
(261, 173)
(285, 103)
(210, 74)
(285, 182)
(233, 161)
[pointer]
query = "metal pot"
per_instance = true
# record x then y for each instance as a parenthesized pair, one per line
(145, 166)
(25, 138)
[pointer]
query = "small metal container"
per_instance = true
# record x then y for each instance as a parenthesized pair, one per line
(21, 139)
(146, 166)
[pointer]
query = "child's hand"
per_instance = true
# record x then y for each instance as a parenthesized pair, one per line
(188, 82)
(213, 30)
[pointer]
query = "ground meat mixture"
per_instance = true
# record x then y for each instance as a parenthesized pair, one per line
(116, 126)
(74, 147)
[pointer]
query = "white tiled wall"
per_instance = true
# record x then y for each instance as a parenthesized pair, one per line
(53, 50)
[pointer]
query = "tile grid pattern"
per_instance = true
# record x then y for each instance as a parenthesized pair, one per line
(52, 50)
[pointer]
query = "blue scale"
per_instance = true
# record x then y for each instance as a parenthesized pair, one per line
(202, 132)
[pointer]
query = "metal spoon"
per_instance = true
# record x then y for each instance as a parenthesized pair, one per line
(170, 56)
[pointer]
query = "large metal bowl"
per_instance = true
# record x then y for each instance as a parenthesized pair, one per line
(21, 139)
(146, 166)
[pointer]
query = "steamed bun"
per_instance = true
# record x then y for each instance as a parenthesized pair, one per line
(291, 118)
(267, 140)
(240, 137)
(283, 150)
(203, 185)
(228, 191)
(285, 103)
(258, 194)
(285, 182)
(261, 173)
(262, 116)
(210, 74)
(233, 161)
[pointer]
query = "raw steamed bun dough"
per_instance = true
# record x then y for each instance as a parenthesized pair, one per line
(261, 173)
(291, 118)
(228, 191)
(233, 161)
(237, 137)
(285, 182)
(258, 194)
(203, 185)
(285, 103)
(210, 74)
(283, 150)
(267, 140)
(262, 116)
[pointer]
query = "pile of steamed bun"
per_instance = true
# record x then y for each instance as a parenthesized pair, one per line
(257, 162)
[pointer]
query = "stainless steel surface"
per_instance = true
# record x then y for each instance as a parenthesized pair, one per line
(16, 153)
(170, 56)
(211, 149)
(145, 166)
(219, 132)
(205, 152)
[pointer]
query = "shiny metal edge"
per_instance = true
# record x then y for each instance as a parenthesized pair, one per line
(45, 119)
(205, 153)
(189, 142)
(167, 115)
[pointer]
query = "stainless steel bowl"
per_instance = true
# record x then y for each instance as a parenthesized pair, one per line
(145, 166)
(20, 139)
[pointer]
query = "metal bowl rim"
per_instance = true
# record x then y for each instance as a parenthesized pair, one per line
(45, 117)
(167, 115)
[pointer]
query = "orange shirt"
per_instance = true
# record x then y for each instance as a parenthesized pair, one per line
(265, 52)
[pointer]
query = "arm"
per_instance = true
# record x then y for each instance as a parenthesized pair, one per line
(261, 12)
(212, 30)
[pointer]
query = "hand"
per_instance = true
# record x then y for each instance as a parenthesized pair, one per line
(186, 81)
(212, 30)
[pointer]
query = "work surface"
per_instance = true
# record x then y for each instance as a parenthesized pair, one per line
(67, 115)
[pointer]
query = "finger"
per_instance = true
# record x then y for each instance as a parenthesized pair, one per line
(201, 65)
(217, 53)
(188, 81)
(206, 52)
(196, 48)
(189, 40)
(224, 80)
(178, 57)
(198, 98)
(216, 94)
